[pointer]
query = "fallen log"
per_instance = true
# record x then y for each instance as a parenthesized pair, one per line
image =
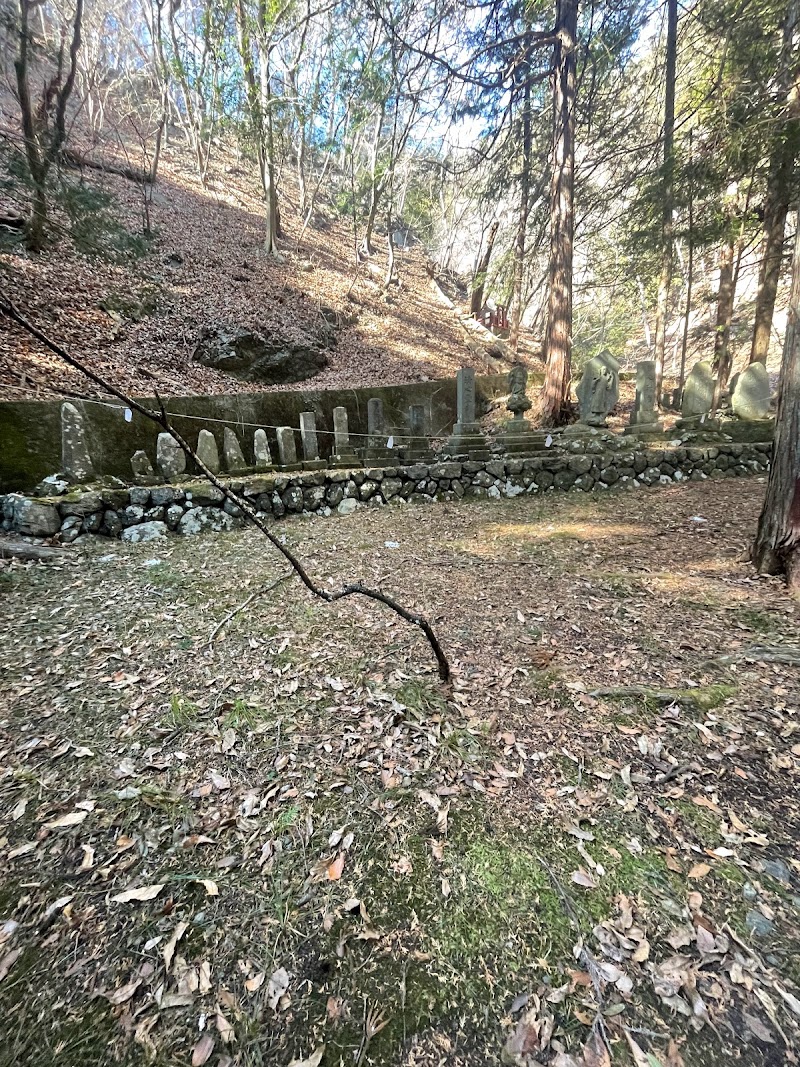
(22, 550)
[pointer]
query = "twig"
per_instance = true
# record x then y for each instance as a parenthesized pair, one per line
(232, 614)
(374, 1022)
(162, 419)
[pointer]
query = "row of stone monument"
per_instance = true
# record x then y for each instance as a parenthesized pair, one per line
(597, 391)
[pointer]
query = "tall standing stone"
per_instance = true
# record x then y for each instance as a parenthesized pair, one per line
(376, 451)
(750, 397)
(207, 451)
(698, 392)
(170, 457)
(261, 451)
(308, 436)
(76, 463)
(598, 389)
(343, 452)
(417, 447)
(645, 416)
(232, 451)
(467, 438)
(287, 450)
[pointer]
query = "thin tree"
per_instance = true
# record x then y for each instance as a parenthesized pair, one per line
(517, 297)
(558, 339)
(777, 545)
(44, 124)
(481, 270)
(667, 193)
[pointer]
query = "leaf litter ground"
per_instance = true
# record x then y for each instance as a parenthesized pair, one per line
(289, 844)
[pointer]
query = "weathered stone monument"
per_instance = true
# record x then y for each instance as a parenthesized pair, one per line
(76, 463)
(143, 473)
(377, 453)
(343, 452)
(261, 451)
(750, 396)
(207, 451)
(645, 418)
(698, 392)
(467, 438)
(598, 389)
(170, 457)
(232, 451)
(308, 436)
(287, 450)
(520, 437)
(416, 446)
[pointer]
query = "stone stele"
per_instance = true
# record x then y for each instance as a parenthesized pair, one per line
(207, 451)
(170, 456)
(76, 463)
(698, 392)
(750, 398)
(598, 389)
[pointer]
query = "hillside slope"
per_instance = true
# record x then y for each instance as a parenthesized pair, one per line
(138, 321)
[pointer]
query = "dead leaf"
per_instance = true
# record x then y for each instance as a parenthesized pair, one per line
(202, 1050)
(224, 1028)
(277, 986)
(8, 961)
(595, 1053)
(146, 892)
(335, 868)
(583, 878)
(124, 992)
(700, 870)
(169, 949)
(256, 982)
(88, 858)
(74, 818)
(211, 888)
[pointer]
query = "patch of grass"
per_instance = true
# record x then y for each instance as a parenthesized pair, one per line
(182, 713)
(760, 622)
(242, 714)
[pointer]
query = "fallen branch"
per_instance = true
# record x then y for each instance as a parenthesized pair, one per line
(161, 418)
(78, 159)
(22, 550)
(253, 596)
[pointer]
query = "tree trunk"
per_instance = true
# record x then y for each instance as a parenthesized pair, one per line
(786, 147)
(390, 252)
(517, 297)
(479, 280)
(725, 300)
(665, 278)
(555, 407)
(777, 544)
(689, 279)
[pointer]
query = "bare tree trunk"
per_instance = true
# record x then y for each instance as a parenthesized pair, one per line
(390, 251)
(689, 280)
(786, 146)
(777, 545)
(555, 408)
(665, 279)
(524, 206)
(725, 300)
(375, 185)
(479, 280)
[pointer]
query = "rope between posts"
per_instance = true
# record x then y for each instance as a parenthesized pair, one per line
(267, 426)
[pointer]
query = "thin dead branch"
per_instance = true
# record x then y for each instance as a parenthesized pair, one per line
(245, 603)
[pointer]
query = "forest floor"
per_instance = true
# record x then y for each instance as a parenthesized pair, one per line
(134, 308)
(284, 840)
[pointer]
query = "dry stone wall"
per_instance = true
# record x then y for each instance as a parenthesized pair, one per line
(142, 513)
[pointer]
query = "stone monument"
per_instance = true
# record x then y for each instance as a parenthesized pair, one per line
(143, 473)
(467, 438)
(232, 451)
(287, 450)
(416, 446)
(343, 452)
(645, 418)
(170, 457)
(207, 451)
(261, 451)
(308, 436)
(698, 398)
(598, 389)
(750, 395)
(377, 452)
(76, 463)
(520, 437)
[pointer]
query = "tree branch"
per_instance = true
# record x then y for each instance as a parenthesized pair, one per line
(162, 419)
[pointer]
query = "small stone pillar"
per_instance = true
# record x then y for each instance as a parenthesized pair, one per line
(170, 457)
(376, 452)
(287, 450)
(143, 473)
(467, 438)
(308, 436)
(417, 446)
(261, 451)
(343, 452)
(232, 451)
(645, 418)
(207, 451)
(76, 463)
(698, 398)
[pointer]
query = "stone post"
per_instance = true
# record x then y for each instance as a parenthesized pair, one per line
(232, 451)
(644, 418)
(467, 438)
(287, 450)
(261, 451)
(207, 450)
(417, 447)
(308, 435)
(76, 463)
(343, 453)
(170, 457)
(376, 451)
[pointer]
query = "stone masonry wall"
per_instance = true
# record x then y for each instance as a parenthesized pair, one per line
(143, 513)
